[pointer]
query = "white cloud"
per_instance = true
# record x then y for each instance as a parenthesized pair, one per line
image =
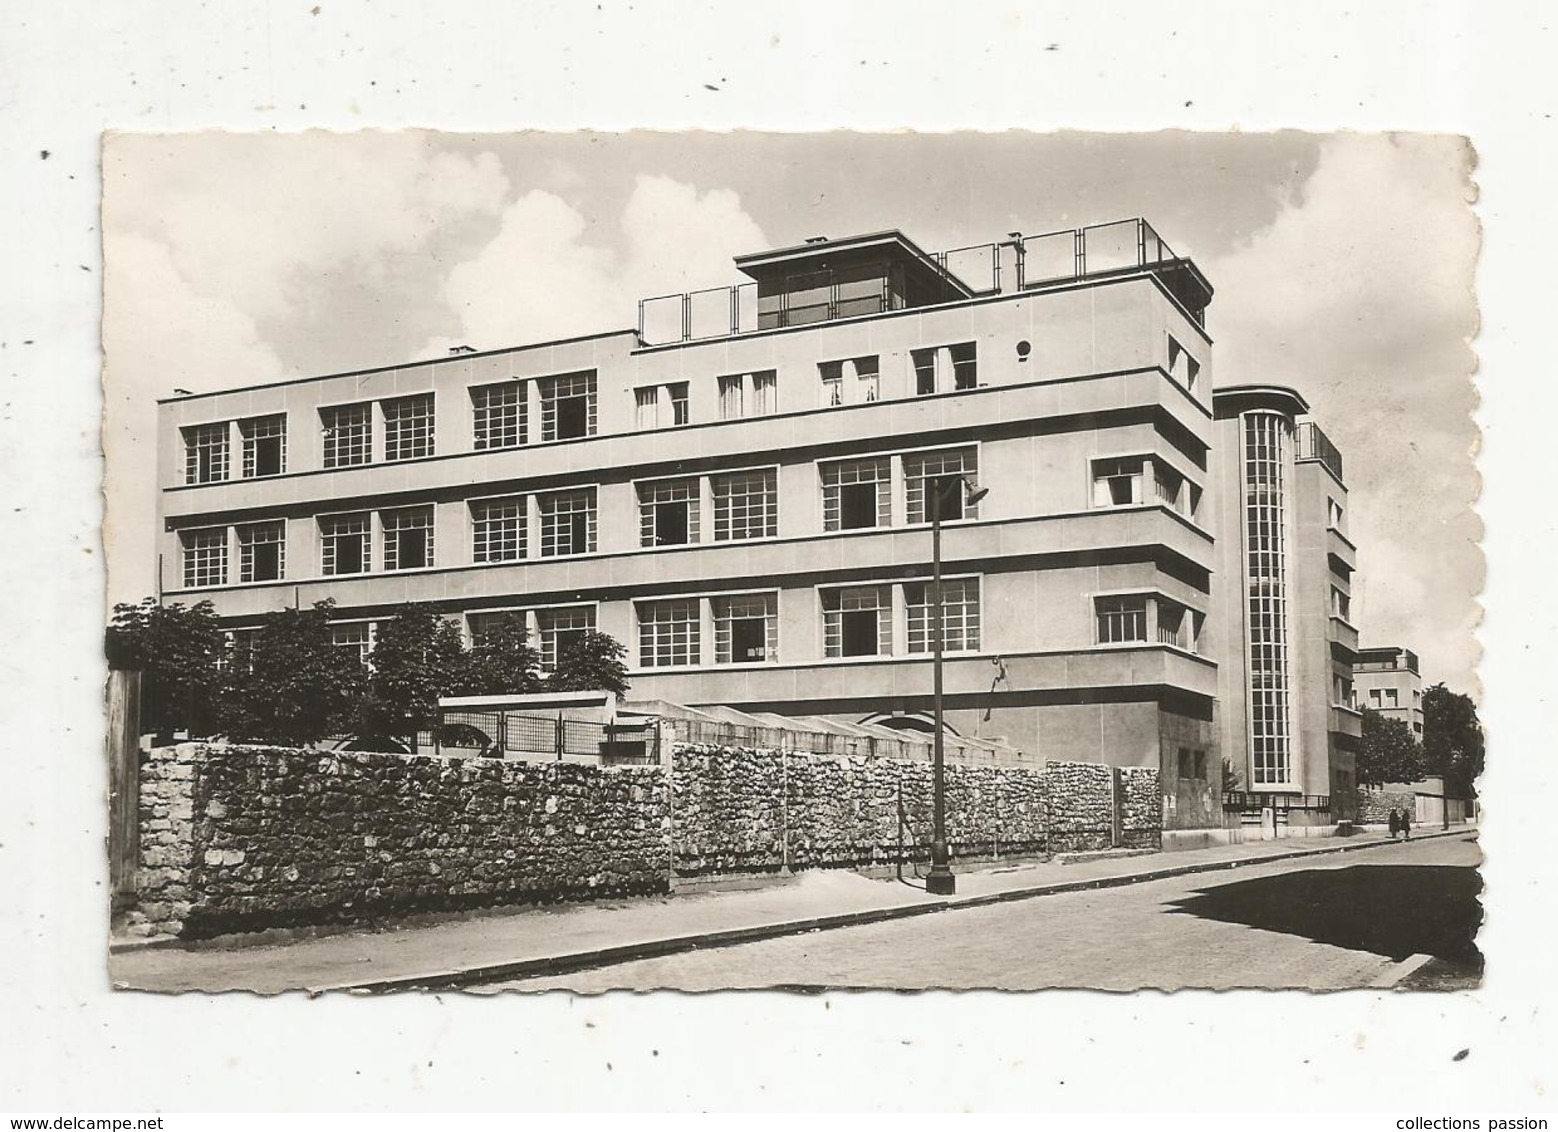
(1357, 295)
(546, 275)
(159, 334)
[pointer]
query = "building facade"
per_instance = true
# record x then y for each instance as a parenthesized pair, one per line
(1387, 680)
(739, 490)
(1282, 629)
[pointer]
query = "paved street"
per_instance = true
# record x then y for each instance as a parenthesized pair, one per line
(1326, 922)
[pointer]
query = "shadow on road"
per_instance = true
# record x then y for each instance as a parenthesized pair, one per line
(1394, 910)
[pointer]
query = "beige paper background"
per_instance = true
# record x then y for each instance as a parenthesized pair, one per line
(70, 71)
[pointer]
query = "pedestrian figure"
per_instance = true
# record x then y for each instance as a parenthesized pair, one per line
(1395, 823)
(1406, 825)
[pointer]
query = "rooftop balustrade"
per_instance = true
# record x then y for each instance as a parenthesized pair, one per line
(1022, 263)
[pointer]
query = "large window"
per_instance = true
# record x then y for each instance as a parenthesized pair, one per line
(568, 406)
(732, 399)
(851, 381)
(264, 445)
(1265, 459)
(1121, 620)
(857, 621)
(668, 633)
(1341, 605)
(205, 558)
(205, 453)
(856, 494)
(1178, 626)
(1182, 367)
(959, 615)
(498, 415)
(923, 472)
(746, 628)
(746, 505)
(567, 522)
(356, 636)
(262, 551)
(561, 630)
(660, 406)
(344, 544)
(497, 530)
(668, 512)
(748, 394)
(348, 435)
(408, 427)
(1119, 482)
(408, 538)
(942, 368)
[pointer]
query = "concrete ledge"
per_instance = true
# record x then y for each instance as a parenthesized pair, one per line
(671, 945)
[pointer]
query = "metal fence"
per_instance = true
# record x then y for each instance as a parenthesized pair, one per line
(718, 733)
(505, 734)
(1015, 264)
(1248, 802)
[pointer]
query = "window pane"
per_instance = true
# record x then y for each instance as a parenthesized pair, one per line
(561, 629)
(964, 370)
(668, 633)
(348, 435)
(205, 453)
(262, 551)
(343, 541)
(264, 445)
(924, 371)
(668, 512)
(857, 621)
(568, 406)
(205, 558)
(764, 393)
(921, 468)
(408, 427)
(408, 538)
(856, 494)
(648, 407)
(745, 628)
(567, 522)
(730, 396)
(679, 410)
(498, 530)
(498, 415)
(746, 505)
(959, 613)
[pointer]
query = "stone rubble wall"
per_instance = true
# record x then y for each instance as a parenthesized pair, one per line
(241, 838)
(1374, 806)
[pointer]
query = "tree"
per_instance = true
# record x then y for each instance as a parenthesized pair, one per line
(1388, 751)
(297, 685)
(501, 662)
(591, 662)
(1232, 781)
(418, 656)
(1453, 743)
(176, 650)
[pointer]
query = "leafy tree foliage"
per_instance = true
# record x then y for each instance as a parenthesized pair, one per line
(502, 662)
(1388, 752)
(1233, 782)
(418, 655)
(593, 662)
(295, 687)
(176, 650)
(1453, 743)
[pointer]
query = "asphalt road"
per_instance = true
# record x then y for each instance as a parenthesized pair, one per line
(1330, 922)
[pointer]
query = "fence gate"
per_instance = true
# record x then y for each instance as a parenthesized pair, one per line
(124, 784)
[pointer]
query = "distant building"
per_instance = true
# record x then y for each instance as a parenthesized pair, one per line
(1387, 680)
(740, 490)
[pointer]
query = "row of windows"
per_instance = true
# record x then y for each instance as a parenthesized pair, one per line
(567, 408)
(856, 621)
(734, 506)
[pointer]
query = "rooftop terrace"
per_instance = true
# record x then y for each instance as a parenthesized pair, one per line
(827, 279)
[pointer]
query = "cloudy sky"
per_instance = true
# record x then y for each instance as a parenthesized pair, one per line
(1342, 266)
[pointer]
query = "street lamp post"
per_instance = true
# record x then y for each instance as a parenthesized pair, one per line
(940, 881)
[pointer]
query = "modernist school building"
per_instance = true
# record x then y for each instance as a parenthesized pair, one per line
(739, 489)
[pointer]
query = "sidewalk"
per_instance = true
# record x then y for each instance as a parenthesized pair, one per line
(527, 942)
